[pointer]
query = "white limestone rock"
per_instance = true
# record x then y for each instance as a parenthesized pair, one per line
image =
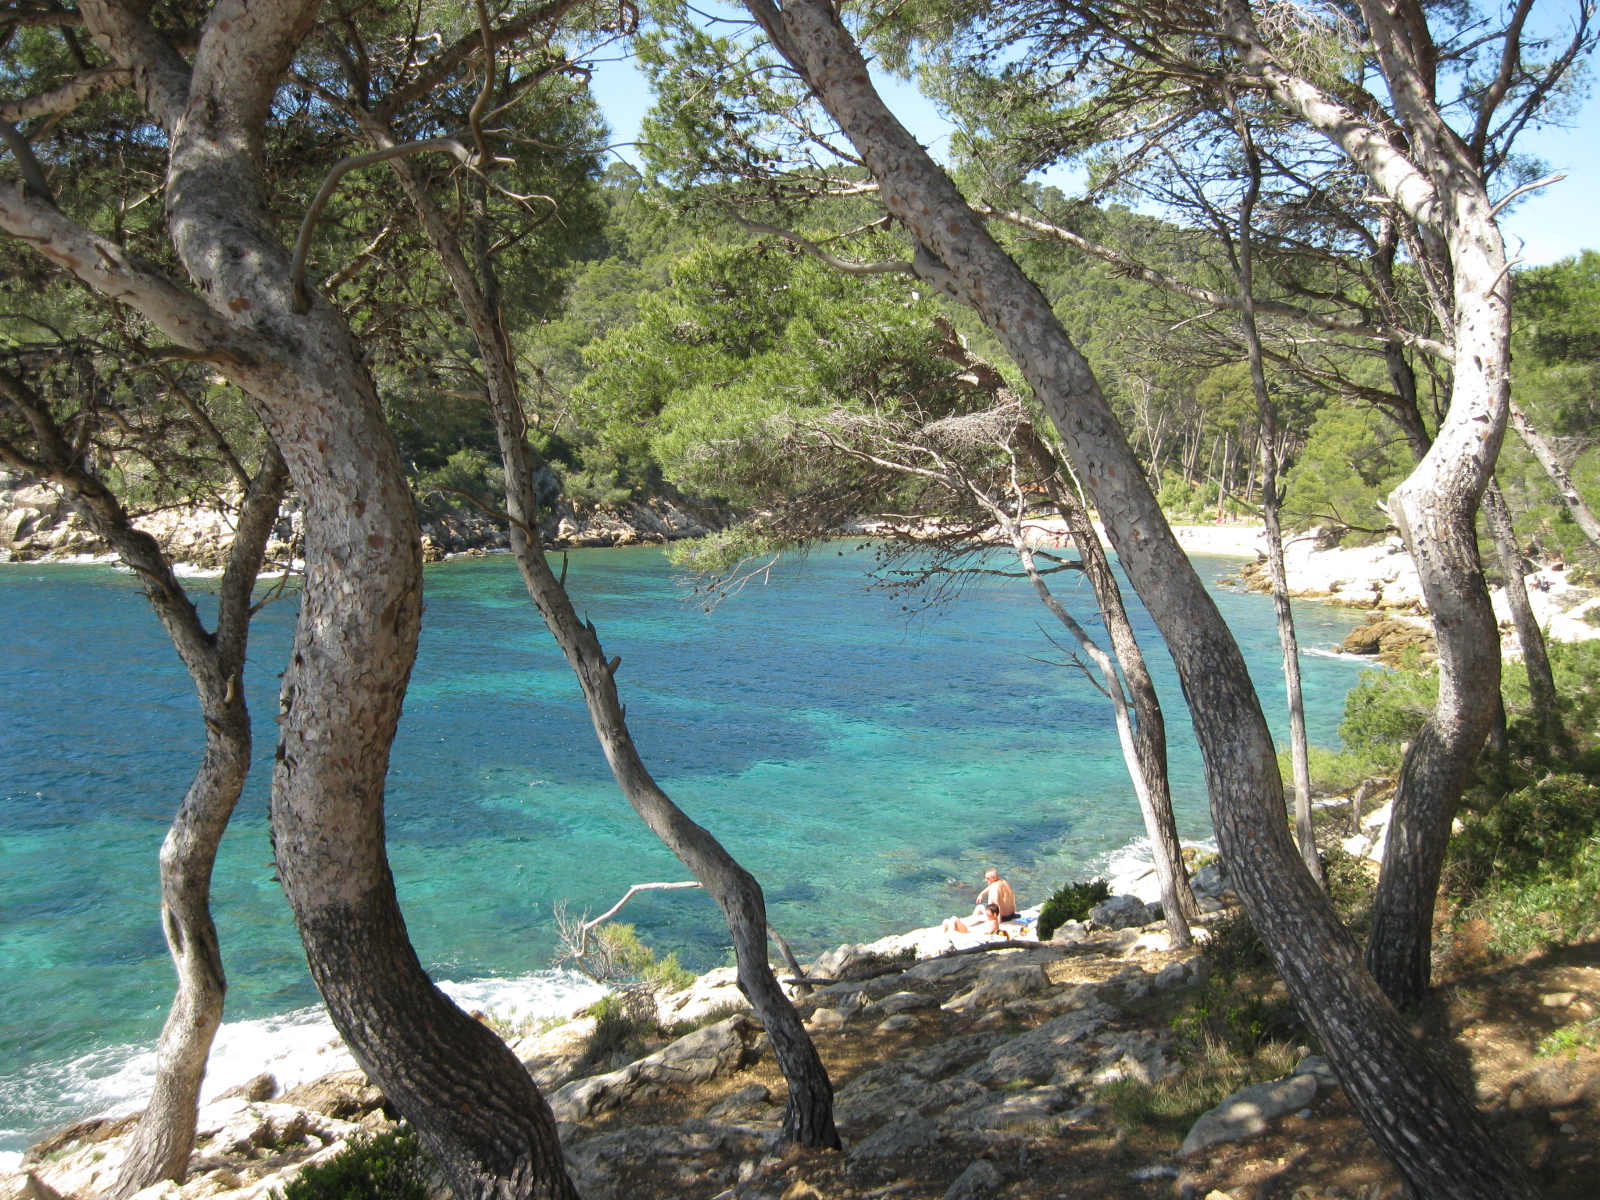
(1247, 1112)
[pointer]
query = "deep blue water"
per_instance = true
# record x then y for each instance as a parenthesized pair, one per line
(864, 763)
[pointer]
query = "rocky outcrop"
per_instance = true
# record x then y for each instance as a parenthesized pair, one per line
(36, 524)
(1389, 638)
(1376, 576)
(718, 1049)
(653, 521)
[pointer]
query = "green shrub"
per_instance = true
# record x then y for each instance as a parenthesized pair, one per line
(622, 1021)
(1527, 834)
(1385, 710)
(1071, 902)
(669, 973)
(1235, 948)
(385, 1166)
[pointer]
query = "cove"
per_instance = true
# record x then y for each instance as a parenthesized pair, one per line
(864, 761)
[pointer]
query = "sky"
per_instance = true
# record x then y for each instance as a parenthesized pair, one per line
(1552, 224)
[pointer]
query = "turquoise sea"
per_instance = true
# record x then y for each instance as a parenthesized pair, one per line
(865, 761)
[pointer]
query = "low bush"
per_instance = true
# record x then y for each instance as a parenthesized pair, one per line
(1211, 1073)
(623, 1021)
(385, 1166)
(1071, 902)
(1235, 948)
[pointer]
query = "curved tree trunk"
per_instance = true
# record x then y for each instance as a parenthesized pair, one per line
(1150, 728)
(808, 1114)
(1541, 681)
(473, 1104)
(1411, 1108)
(164, 1138)
(1436, 510)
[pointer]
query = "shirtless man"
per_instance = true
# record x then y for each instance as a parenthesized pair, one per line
(998, 892)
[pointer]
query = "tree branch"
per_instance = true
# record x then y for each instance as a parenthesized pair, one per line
(1383, 333)
(848, 266)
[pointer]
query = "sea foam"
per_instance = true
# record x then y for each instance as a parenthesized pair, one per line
(293, 1047)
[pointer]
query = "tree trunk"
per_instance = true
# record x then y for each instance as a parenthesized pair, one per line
(1150, 730)
(1436, 511)
(1541, 682)
(1299, 752)
(1244, 269)
(164, 1138)
(1566, 490)
(472, 1103)
(1159, 842)
(808, 1115)
(1411, 1108)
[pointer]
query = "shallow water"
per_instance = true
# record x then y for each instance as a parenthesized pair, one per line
(865, 763)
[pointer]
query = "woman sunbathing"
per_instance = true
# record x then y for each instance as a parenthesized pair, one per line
(988, 925)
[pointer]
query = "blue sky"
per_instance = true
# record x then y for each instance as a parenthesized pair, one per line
(1553, 224)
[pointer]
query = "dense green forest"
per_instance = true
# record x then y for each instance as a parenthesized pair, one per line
(667, 326)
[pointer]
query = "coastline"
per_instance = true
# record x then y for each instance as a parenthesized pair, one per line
(300, 1047)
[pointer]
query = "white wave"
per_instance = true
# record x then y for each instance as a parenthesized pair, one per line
(1365, 660)
(294, 1047)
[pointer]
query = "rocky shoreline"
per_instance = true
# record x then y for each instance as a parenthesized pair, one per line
(38, 525)
(982, 1078)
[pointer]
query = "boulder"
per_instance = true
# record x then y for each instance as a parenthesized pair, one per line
(1120, 912)
(1319, 1067)
(979, 1179)
(1209, 881)
(344, 1095)
(1069, 932)
(894, 1089)
(262, 1087)
(718, 1049)
(1245, 1114)
(717, 991)
(1041, 1054)
(596, 1161)
(906, 1135)
(746, 1101)
(899, 1002)
(825, 1020)
(935, 970)
(1011, 983)
(554, 1056)
(1030, 1109)
(897, 1023)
